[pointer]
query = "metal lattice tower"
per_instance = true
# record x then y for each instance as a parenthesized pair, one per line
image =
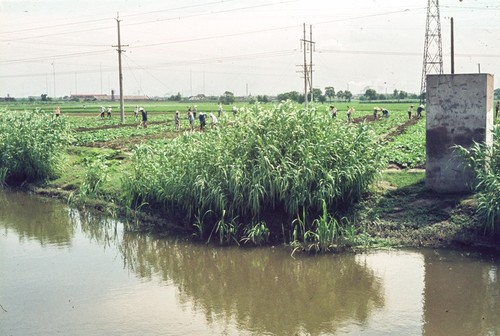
(433, 48)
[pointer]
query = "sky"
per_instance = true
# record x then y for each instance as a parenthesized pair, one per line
(248, 47)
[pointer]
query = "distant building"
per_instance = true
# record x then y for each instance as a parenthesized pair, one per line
(7, 99)
(106, 98)
(198, 97)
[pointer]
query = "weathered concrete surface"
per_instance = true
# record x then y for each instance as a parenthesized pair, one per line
(459, 112)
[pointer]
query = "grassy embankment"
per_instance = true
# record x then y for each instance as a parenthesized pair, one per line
(103, 169)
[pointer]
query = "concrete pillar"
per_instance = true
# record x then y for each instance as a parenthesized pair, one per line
(459, 111)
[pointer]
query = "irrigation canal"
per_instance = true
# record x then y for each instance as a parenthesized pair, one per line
(65, 272)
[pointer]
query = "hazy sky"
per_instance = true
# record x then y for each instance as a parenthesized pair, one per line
(64, 47)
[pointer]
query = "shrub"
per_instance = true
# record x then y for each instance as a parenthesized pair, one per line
(281, 160)
(485, 161)
(32, 144)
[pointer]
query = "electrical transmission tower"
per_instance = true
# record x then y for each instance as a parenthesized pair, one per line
(433, 48)
(307, 45)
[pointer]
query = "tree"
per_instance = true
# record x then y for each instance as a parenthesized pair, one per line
(330, 92)
(293, 95)
(497, 93)
(316, 94)
(371, 94)
(176, 97)
(340, 94)
(347, 95)
(43, 97)
(227, 98)
(263, 99)
(395, 94)
(402, 95)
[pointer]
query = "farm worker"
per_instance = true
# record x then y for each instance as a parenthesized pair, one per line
(375, 112)
(102, 112)
(136, 112)
(202, 121)
(235, 110)
(57, 112)
(219, 110)
(176, 120)
(144, 117)
(420, 108)
(410, 111)
(195, 109)
(190, 118)
(333, 111)
(109, 112)
(497, 109)
(385, 113)
(350, 110)
(215, 122)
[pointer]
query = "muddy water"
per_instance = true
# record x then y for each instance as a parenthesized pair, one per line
(63, 272)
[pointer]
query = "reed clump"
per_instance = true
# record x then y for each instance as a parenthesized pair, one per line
(485, 161)
(32, 145)
(282, 160)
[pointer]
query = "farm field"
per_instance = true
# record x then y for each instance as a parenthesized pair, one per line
(109, 162)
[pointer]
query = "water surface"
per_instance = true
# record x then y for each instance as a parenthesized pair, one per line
(68, 273)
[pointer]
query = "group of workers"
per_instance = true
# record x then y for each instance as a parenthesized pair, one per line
(191, 115)
(377, 110)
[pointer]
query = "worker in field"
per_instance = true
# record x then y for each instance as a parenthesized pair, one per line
(190, 118)
(350, 111)
(177, 120)
(57, 112)
(136, 112)
(410, 112)
(375, 112)
(219, 110)
(385, 112)
(333, 111)
(195, 110)
(109, 112)
(214, 119)
(102, 112)
(203, 121)
(420, 108)
(144, 115)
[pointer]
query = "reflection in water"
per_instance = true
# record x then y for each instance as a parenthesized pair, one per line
(35, 218)
(227, 290)
(262, 290)
(463, 296)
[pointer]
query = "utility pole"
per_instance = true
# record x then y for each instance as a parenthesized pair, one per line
(54, 77)
(452, 47)
(311, 46)
(307, 66)
(120, 50)
(433, 49)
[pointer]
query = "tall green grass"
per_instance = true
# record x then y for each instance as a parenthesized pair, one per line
(485, 161)
(282, 160)
(32, 145)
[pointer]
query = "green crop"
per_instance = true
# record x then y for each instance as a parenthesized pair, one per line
(280, 160)
(32, 144)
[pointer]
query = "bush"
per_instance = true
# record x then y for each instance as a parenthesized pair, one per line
(283, 160)
(32, 144)
(485, 161)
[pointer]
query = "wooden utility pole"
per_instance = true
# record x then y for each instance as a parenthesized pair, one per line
(452, 47)
(120, 50)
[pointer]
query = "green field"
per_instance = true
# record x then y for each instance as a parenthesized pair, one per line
(266, 165)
